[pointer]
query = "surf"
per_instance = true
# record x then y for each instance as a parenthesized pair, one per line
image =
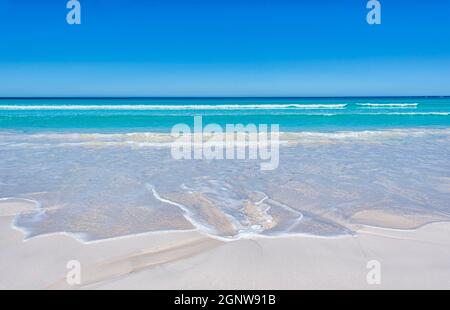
(388, 105)
(145, 107)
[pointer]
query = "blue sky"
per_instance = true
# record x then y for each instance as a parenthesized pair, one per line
(224, 48)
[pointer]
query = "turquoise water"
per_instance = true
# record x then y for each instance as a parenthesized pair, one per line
(95, 168)
(159, 115)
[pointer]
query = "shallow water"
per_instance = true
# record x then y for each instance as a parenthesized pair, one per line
(101, 186)
(102, 168)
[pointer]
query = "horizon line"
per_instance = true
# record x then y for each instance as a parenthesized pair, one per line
(212, 97)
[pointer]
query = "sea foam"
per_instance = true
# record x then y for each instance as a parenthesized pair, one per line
(144, 107)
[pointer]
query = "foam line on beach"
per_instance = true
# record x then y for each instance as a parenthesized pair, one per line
(18, 206)
(382, 228)
(166, 137)
(85, 239)
(243, 234)
(188, 215)
(369, 133)
(165, 140)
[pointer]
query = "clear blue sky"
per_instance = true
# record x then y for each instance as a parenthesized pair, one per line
(224, 48)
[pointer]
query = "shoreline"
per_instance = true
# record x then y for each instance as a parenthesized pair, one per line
(393, 194)
(353, 227)
(169, 260)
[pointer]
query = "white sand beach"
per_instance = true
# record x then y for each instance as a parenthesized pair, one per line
(416, 259)
(225, 145)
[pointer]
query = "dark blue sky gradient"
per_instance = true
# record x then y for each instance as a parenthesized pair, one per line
(224, 48)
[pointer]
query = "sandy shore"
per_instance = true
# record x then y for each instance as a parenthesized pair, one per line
(189, 260)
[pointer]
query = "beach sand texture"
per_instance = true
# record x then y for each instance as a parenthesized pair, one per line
(416, 259)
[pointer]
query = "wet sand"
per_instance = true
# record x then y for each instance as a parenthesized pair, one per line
(415, 259)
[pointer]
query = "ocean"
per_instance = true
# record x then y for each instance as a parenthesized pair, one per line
(160, 114)
(102, 168)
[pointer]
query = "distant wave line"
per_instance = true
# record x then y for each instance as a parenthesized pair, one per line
(174, 107)
(407, 113)
(388, 105)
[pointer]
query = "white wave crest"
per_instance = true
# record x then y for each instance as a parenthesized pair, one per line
(388, 105)
(145, 107)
